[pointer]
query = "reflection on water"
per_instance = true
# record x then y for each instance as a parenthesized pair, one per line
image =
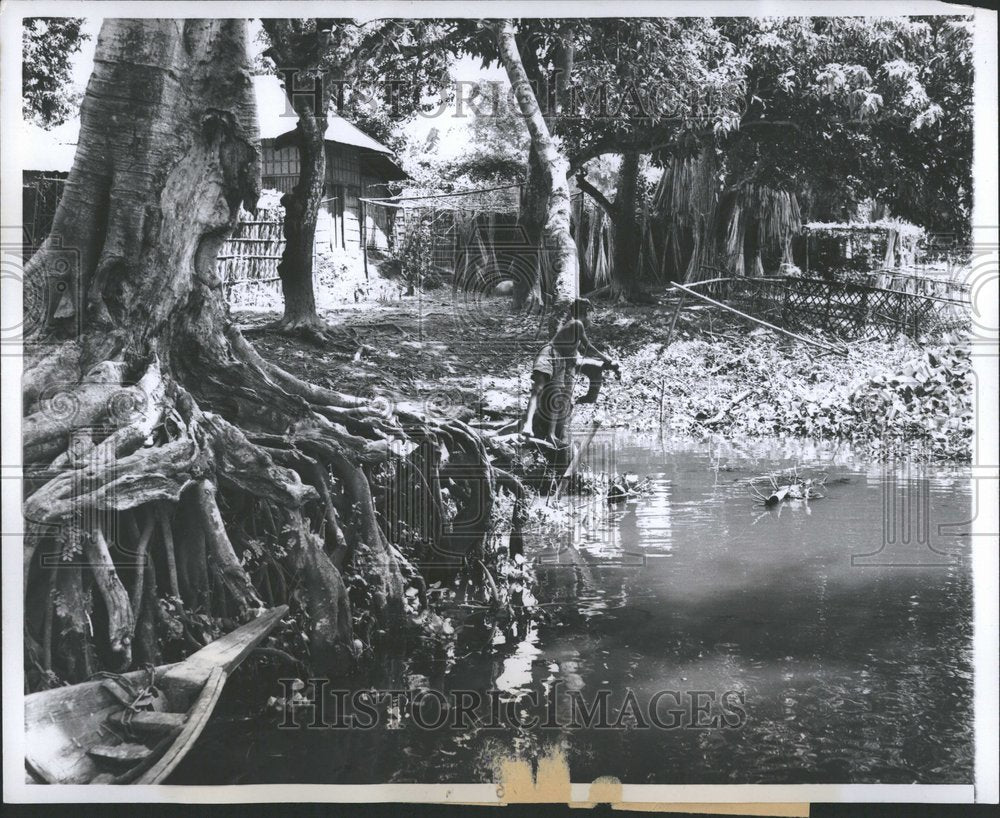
(844, 623)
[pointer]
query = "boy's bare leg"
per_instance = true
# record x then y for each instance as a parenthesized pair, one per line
(594, 370)
(538, 381)
(564, 407)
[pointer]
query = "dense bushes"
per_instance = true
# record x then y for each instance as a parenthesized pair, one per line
(887, 397)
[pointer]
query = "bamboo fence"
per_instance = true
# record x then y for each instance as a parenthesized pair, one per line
(248, 261)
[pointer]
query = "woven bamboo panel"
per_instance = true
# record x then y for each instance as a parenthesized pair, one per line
(847, 309)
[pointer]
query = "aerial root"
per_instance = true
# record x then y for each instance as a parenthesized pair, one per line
(140, 560)
(147, 617)
(74, 641)
(323, 597)
(224, 562)
(169, 554)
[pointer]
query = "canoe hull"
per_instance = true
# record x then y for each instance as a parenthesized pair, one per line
(62, 724)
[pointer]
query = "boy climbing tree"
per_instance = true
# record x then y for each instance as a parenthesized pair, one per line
(552, 375)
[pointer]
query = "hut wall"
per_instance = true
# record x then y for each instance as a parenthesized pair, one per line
(338, 227)
(378, 220)
(343, 187)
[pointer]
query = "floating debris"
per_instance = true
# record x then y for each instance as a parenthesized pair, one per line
(627, 486)
(787, 485)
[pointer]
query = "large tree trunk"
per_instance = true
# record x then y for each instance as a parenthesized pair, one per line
(144, 390)
(300, 52)
(624, 269)
(556, 246)
(302, 206)
(531, 219)
(538, 283)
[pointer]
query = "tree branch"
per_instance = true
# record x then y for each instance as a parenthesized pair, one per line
(610, 207)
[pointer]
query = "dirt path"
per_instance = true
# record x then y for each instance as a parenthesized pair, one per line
(427, 348)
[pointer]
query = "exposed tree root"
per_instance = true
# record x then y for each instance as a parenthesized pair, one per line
(73, 626)
(146, 646)
(323, 598)
(138, 585)
(224, 562)
(248, 484)
(311, 329)
(169, 554)
(121, 624)
(165, 459)
(192, 561)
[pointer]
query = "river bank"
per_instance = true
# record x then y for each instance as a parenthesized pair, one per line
(719, 375)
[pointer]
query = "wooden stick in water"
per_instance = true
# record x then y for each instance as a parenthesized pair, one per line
(577, 455)
(673, 321)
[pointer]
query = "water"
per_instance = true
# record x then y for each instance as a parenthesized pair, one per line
(842, 657)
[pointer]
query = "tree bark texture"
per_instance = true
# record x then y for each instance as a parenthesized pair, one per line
(556, 246)
(292, 53)
(141, 397)
(624, 270)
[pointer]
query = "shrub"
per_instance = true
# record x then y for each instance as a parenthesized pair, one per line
(414, 256)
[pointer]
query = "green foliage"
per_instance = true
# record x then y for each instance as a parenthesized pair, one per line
(842, 109)
(47, 45)
(401, 70)
(926, 402)
(413, 256)
(516, 581)
(650, 83)
(180, 626)
(496, 151)
(837, 113)
(832, 111)
(888, 398)
(498, 145)
(653, 84)
(515, 578)
(377, 73)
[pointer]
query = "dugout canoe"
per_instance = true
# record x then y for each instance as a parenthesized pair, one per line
(96, 732)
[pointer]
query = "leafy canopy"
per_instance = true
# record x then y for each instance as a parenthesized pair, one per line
(376, 73)
(47, 45)
(843, 109)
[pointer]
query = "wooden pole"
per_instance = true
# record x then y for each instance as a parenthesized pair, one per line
(801, 338)
(828, 296)
(577, 456)
(673, 321)
(364, 235)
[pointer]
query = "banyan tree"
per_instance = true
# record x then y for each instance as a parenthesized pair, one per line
(710, 227)
(175, 479)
